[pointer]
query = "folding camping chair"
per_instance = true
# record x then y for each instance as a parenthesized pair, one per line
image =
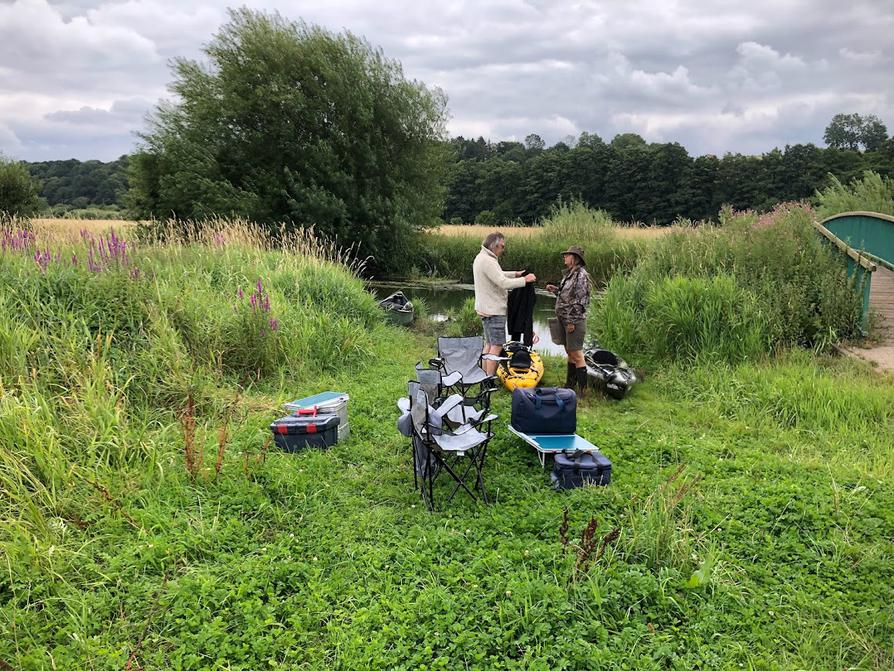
(459, 452)
(436, 383)
(464, 355)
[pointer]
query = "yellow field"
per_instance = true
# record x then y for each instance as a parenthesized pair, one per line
(67, 229)
(64, 230)
(633, 232)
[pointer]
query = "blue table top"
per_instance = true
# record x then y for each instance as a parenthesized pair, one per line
(319, 399)
(556, 443)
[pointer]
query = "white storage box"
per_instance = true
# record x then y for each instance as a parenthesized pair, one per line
(326, 403)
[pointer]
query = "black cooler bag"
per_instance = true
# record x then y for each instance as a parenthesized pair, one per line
(295, 432)
(581, 468)
(544, 410)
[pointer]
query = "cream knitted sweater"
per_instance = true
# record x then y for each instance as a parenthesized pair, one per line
(492, 284)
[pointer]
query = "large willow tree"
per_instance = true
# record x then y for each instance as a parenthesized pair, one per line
(286, 122)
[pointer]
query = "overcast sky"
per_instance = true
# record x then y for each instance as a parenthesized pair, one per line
(77, 77)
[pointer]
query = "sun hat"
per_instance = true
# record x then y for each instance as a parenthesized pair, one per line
(577, 251)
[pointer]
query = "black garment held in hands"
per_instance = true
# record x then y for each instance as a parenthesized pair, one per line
(520, 320)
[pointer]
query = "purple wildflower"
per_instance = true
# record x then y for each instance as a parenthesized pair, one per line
(274, 324)
(42, 259)
(16, 240)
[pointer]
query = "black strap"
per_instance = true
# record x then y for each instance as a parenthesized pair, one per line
(538, 399)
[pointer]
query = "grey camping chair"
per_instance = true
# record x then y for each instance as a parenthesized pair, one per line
(439, 449)
(464, 356)
(436, 383)
(438, 386)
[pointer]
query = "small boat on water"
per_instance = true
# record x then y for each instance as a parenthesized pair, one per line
(609, 372)
(524, 368)
(398, 308)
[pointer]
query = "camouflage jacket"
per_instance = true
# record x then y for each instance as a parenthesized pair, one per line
(573, 296)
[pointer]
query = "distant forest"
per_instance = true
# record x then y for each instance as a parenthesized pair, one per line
(636, 181)
(81, 184)
(501, 182)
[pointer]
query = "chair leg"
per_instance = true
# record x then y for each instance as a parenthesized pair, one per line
(431, 480)
(415, 464)
(479, 467)
(459, 480)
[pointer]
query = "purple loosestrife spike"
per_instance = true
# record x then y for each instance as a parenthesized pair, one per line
(74, 259)
(240, 293)
(274, 324)
(254, 301)
(266, 303)
(260, 287)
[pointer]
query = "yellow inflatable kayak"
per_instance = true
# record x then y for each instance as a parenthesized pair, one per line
(523, 370)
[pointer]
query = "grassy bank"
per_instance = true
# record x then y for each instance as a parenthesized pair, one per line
(753, 502)
(732, 292)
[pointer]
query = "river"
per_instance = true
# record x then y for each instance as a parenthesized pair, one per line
(441, 299)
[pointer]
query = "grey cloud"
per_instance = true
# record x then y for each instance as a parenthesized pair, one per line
(716, 77)
(121, 114)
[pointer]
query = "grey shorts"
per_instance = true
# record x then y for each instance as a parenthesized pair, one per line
(573, 342)
(494, 329)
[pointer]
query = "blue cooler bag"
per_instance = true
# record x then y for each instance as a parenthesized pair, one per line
(544, 410)
(579, 469)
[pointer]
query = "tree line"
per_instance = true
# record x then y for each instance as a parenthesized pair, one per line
(498, 182)
(81, 183)
(632, 180)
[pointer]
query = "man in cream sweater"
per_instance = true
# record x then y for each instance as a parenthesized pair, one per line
(492, 285)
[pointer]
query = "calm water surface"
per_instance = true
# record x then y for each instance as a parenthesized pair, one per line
(445, 298)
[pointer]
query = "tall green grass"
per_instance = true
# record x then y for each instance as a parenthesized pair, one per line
(731, 292)
(871, 193)
(102, 340)
(568, 224)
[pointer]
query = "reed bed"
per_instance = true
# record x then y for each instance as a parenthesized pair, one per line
(732, 292)
(479, 232)
(609, 248)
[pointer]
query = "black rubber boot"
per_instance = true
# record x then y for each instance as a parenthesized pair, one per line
(570, 377)
(582, 381)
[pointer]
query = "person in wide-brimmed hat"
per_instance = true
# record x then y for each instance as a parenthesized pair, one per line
(572, 301)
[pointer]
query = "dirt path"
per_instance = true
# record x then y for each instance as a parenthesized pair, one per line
(881, 301)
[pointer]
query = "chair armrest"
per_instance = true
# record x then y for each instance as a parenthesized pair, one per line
(452, 379)
(403, 404)
(436, 363)
(495, 357)
(449, 404)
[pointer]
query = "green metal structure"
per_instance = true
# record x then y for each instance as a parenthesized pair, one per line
(867, 241)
